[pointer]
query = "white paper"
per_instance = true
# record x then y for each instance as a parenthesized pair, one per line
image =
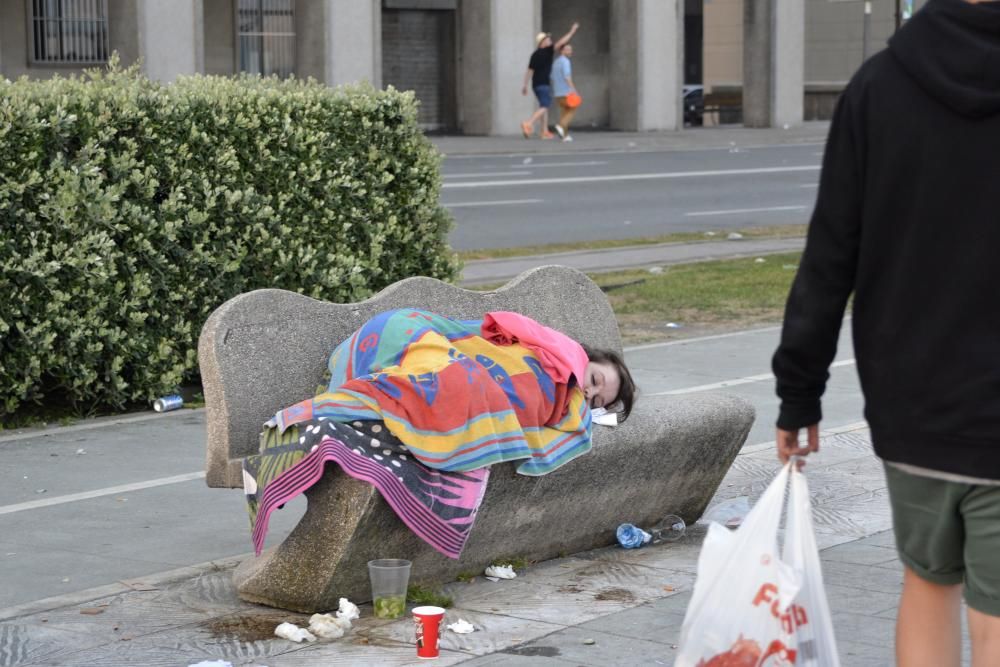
(462, 627)
(348, 610)
(501, 571)
(294, 633)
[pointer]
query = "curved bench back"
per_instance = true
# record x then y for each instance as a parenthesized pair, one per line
(264, 350)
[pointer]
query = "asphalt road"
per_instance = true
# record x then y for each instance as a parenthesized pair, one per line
(511, 201)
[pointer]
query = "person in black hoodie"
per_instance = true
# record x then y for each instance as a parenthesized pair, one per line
(907, 219)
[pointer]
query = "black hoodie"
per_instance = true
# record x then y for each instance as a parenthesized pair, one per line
(908, 219)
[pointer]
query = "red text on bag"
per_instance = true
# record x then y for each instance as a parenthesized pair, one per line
(791, 619)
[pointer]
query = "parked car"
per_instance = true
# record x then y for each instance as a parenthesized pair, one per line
(694, 104)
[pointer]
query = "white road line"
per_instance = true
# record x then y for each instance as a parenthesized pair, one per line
(750, 379)
(635, 177)
(731, 211)
(97, 493)
(589, 163)
(698, 339)
(633, 150)
(685, 341)
(499, 202)
(489, 173)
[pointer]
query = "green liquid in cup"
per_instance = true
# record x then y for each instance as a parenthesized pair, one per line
(390, 607)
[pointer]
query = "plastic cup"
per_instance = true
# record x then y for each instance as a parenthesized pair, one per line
(670, 529)
(427, 624)
(389, 577)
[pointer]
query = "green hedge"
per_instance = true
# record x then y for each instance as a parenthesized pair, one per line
(130, 210)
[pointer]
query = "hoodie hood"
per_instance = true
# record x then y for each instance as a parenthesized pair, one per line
(951, 48)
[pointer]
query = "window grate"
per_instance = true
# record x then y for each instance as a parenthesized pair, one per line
(266, 36)
(69, 32)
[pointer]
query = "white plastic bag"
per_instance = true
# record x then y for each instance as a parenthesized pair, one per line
(750, 605)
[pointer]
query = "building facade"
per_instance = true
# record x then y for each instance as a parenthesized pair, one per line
(465, 59)
(775, 62)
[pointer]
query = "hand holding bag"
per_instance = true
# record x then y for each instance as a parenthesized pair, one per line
(751, 607)
(573, 100)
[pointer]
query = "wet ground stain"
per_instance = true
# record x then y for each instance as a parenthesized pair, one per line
(540, 651)
(616, 595)
(253, 627)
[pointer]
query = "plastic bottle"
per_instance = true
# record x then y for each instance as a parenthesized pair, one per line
(669, 529)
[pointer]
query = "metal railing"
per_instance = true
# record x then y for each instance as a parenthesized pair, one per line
(69, 32)
(265, 31)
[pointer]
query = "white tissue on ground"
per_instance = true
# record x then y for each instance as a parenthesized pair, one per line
(501, 571)
(326, 626)
(463, 627)
(348, 610)
(294, 633)
(603, 417)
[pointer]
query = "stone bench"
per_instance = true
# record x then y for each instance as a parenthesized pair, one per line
(264, 350)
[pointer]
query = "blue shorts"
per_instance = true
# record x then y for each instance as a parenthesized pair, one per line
(544, 95)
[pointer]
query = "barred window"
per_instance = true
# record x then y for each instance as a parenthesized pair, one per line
(266, 35)
(69, 31)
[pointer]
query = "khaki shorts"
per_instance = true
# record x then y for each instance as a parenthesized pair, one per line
(949, 533)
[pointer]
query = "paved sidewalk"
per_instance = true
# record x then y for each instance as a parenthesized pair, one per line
(598, 141)
(163, 595)
(485, 271)
(605, 607)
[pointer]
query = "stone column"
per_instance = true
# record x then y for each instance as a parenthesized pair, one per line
(171, 38)
(353, 41)
(773, 62)
(647, 64)
(497, 38)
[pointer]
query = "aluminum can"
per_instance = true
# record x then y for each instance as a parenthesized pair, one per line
(168, 403)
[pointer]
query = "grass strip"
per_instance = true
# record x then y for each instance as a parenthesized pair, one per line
(707, 296)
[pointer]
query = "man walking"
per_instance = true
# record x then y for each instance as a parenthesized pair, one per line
(562, 88)
(538, 73)
(907, 219)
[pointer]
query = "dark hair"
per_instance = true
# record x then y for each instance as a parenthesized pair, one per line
(626, 392)
(563, 47)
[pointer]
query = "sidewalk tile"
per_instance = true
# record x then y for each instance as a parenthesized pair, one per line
(493, 633)
(607, 650)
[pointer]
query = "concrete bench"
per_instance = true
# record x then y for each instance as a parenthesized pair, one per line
(264, 350)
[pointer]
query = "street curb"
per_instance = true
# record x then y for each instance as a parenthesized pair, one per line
(730, 252)
(155, 580)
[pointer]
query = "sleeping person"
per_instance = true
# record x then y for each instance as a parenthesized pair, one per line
(421, 405)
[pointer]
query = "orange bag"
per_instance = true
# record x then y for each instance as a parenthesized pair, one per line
(573, 100)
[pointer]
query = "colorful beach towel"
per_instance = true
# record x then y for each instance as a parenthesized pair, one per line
(420, 405)
(440, 507)
(455, 400)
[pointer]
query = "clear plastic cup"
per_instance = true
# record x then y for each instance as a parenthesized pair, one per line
(670, 529)
(390, 577)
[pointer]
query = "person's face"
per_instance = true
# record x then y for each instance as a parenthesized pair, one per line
(546, 43)
(567, 51)
(602, 384)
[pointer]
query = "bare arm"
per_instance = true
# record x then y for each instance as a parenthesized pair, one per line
(527, 79)
(568, 36)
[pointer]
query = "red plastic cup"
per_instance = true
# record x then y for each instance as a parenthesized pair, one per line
(428, 627)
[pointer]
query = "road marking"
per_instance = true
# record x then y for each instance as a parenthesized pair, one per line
(588, 163)
(105, 423)
(499, 202)
(732, 211)
(97, 493)
(489, 173)
(632, 150)
(684, 341)
(635, 177)
(750, 379)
